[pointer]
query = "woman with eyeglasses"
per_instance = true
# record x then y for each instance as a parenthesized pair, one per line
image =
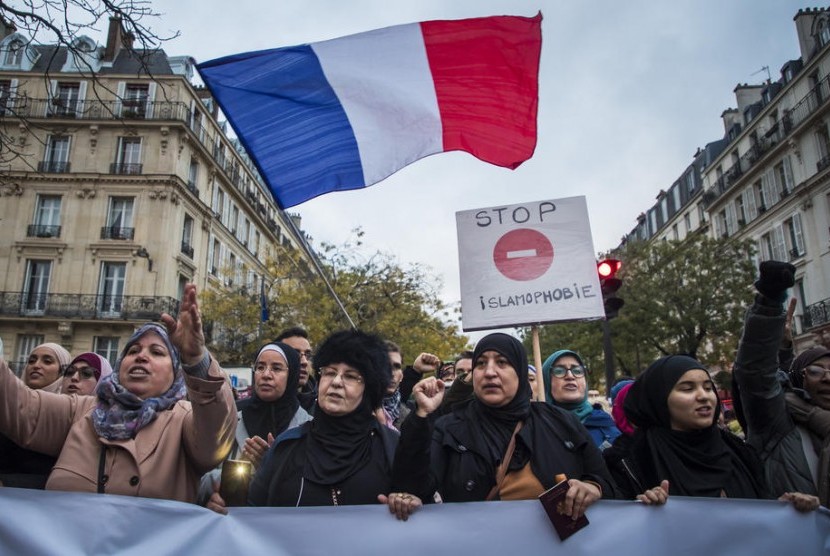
(83, 374)
(20, 467)
(499, 445)
(272, 409)
(160, 421)
(344, 456)
(787, 416)
(566, 386)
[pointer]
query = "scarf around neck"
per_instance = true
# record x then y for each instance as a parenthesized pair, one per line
(120, 414)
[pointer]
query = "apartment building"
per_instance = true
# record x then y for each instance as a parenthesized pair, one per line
(115, 191)
(768, 178)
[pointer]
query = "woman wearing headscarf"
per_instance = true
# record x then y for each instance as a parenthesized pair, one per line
(138, 436)
(566, 386)
(272, 409)
(461, 457)
(20, 467)
(344, 456)
(786, 418)
(45, 366)
(677, 444)
(83, 374)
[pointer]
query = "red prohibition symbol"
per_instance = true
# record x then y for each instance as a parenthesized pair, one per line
(523, 254)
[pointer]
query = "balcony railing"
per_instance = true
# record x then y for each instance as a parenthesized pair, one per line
(125, 168)
(816, 314)
(53, 167)
(115, 232)
(125, 109)
(187, 249)
(86, 306)
(791, 119)
(39, 230)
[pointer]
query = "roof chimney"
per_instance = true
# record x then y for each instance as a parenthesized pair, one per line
(115, 39)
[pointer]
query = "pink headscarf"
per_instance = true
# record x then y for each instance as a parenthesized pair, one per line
(617, 411)
(101, 366)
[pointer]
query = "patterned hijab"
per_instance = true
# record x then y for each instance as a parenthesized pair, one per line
(120, 414)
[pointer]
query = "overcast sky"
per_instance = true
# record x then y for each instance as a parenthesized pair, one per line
(628, 92)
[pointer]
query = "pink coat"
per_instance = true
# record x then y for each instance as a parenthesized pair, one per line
(165, 460)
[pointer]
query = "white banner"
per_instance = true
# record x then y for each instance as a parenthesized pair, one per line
(38, 522)
(526, 264)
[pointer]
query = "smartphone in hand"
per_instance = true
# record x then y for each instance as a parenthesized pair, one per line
(236, 477)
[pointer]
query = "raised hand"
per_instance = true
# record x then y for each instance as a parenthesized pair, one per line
(255, 448)
(428, 395)
(186, 332)
(426, 362)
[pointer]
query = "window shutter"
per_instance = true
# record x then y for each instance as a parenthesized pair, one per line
(798, 234)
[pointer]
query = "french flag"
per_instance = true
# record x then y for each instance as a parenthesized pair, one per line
(348, 112)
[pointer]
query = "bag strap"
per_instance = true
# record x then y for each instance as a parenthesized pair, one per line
(501, 471)
(102, 461)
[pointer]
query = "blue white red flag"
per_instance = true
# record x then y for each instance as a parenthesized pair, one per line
(348, 112)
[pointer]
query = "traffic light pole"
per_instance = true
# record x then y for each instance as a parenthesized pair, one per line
(608, 348)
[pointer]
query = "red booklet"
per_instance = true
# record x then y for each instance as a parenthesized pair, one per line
(552, 500)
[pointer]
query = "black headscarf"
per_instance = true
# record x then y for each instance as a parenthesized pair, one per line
(339, 446)
(696, 463)
(493, 426)
(261, 417)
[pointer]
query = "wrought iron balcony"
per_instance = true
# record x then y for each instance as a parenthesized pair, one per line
(39, 230)
(116, 232)
(86, 306)
(816, 314)
(53, 167)
(125, 168)
(187, 249)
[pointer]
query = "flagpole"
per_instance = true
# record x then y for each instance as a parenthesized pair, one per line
(313, 256)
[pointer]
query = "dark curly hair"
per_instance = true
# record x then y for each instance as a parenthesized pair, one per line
(368, 353)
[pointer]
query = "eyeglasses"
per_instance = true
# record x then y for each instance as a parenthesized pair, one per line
(306, 354)
(817, 373)
(262, 368)
(85, 372)
(350, 378)
(560, 372)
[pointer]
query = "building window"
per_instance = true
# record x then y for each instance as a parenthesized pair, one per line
(234, 223)
(215, 255)
(193, 174)
(187, 236)
(106, 347)
(687, 221)
(773, 245)
(47, 217)
(128, 158)
(14, 55)
(257, 239)
(134, 104)
(111, 288)
(36, 287)
(56, 157)
(795, 234)
(119, 219)
(783, 177)
(66, 100)
(690, 183)
(823, 33)
(25, 344)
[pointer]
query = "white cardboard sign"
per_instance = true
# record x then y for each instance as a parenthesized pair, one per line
(526, 264)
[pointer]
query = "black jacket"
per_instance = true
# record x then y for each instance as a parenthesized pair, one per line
(444, 458)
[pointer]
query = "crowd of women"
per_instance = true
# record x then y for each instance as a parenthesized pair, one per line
(162, 420)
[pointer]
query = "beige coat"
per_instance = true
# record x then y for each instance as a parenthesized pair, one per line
(165, 460)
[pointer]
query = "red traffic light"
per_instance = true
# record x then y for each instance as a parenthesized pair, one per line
(607, 268)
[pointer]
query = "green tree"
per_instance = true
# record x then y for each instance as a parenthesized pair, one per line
(680, 297)
(398, 302)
